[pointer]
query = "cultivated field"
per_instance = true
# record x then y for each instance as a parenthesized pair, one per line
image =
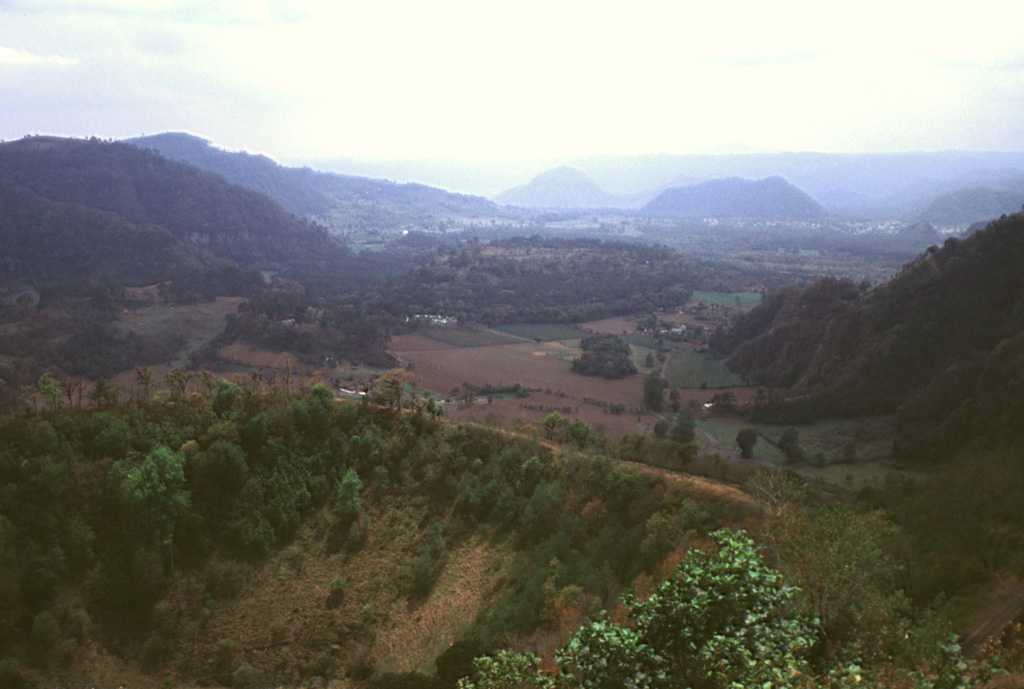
(542, 331)
(726, 298)
(544, 368)
(611, 326)
(459, 336)
(688, 369)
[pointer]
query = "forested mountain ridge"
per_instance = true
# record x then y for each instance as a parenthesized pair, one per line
(45, 241)
(240, 535)
(196, 207)
(961, 207)
(772, 198)
(844, 349)
(343, 200)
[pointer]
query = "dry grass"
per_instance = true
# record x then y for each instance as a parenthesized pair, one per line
(416, 635)
(443, 370)
(245, 355)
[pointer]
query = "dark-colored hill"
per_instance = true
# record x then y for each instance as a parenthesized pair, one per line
(196, 209)
(256, 172)
(772, 198)
(339, 200)
(562, 187)
(938, 342)
(917, 237)
(44, 241)
(961, 207)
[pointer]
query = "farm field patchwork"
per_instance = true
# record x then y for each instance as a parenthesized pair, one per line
(468, 337)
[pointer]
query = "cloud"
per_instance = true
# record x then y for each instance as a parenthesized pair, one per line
(16, 56)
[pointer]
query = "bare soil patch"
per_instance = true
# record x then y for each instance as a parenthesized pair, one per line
(611, 326)
(530, 411)
(496, 366)
(246, 355)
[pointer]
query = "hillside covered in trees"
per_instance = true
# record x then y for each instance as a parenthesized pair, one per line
(241, 535)
(197, 208)
(524, 280)
(939, 343)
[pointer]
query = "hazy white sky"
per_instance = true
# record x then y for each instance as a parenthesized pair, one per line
(518, 79)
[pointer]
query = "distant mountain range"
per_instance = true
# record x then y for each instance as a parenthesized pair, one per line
(772, 198)
(562, 187)
(339, 201)
(567, 187)
(868, 185)
(767, 199)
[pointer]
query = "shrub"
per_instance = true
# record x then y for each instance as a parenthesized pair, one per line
(336, 591)
(428, 565)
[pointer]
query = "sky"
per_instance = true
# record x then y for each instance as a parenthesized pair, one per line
(509, 80)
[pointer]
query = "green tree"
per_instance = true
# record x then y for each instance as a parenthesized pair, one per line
(157, 489)
(579, 431)
(684, 428)
(660, 428)
(103, 393)
(428, 565)
(48, 390)
(789, 443)
(852, 585)
(725, 399)
(746, 439)
(724, 619)
(348, 494)
(552, 422)
(654, 389)
(227, 392)
(506, 670)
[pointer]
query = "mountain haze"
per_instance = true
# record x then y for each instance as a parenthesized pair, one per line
(863, 185)
(562, 187)
(961, 207)
(772, 198)
(340, 201)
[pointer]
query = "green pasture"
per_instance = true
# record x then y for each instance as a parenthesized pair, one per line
(545, 332)
(724, 430)
(638, 355)
(465, 338)
(198, 323)
(727, 298)
(849, 454)
(689, 370)
(646, 341)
